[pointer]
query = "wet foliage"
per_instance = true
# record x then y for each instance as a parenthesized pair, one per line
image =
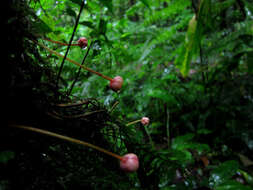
(187, 65)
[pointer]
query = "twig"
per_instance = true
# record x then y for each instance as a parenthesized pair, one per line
(66, 138)
(70, 41)
(82, 115)
(74, 104)
(74, 62)
(61, 43)
(133, 122)
(149, 137)
(59, 116)
(79, 71)
(114, 106)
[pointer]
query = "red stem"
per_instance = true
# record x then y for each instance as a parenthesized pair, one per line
(61, 43)
(74, 62)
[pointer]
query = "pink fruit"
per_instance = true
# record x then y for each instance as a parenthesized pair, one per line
(145, 121)
(82, 42)
(129, 162)
(116, 83)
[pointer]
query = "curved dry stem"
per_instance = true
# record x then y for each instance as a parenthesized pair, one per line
(60, 43)
(52, 134)
(74, 62)
(133, 122)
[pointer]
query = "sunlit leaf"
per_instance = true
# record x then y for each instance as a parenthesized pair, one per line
(191, 44)
(196, 26)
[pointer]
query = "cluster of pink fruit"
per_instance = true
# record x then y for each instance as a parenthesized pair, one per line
(128, 162)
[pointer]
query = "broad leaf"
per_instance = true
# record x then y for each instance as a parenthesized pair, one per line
(108, 4)
(197, 25)
(79, 2)
(145, 2)
(102, 26)
(40, 27)
(232, 185)
(224, 172)
(71, 12)
(190, 45)
(88, 24)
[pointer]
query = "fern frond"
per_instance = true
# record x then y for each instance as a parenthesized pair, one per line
(174, 8)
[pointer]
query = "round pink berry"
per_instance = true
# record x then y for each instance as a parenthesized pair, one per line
(129, 162)
(116, 83)
(145, 121)
(82, 42)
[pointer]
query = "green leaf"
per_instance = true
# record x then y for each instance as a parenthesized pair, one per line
(102, 26)
(204, 131)
(249, 5)
(174, 7)
(5, 156)
(190, 47)
(125, 35)
(132, 10)
(224, 172)
(232, 185)
(178, 141)
(71, 12)
(145, 2)
(93, 6)
(247, 177)
(108, 4)
(78, 2)
(162, 94)
(218, 7)
(193, 37)
(183, 156)
(39, 26)
(204, 14)
(88, 24)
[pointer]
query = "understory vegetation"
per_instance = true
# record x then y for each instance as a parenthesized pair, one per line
(186, 65)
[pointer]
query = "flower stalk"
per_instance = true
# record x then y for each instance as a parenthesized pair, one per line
(76, 141)
(74, 62)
